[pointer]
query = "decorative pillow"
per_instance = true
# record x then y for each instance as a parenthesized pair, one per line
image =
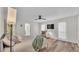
(6, 42)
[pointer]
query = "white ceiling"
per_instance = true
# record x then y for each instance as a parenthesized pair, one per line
(50, 13)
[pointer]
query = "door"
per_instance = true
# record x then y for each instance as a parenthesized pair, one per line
(62, 30)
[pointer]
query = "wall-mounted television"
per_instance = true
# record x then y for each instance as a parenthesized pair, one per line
(50, 26)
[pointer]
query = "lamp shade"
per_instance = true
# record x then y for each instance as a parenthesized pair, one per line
(11, 16)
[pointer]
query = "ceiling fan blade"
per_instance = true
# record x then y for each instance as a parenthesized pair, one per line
(43, 18)
(36, 19)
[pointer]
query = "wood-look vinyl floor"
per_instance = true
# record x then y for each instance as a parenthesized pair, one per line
(49, 46)
(60, 46)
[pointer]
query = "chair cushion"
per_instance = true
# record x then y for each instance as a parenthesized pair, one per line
(6, 42)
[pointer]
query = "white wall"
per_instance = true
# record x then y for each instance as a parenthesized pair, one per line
(72, 29)
(1, 22)
(34, 29)
(1, 27)
(78, 30)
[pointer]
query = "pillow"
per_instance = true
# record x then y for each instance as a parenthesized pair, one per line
(6, 42)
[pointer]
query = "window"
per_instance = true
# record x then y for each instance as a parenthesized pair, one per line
(62, 30)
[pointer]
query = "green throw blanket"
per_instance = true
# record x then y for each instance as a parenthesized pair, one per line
(37, 43)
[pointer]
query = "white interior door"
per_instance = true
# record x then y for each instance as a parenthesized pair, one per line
(62, 30)
(27, 29)
(43, 27)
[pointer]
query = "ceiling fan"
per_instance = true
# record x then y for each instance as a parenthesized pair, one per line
(40, 18)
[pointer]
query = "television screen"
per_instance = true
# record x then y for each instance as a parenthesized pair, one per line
(50, 26)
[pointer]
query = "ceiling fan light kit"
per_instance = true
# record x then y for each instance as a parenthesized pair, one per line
(39, 19)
